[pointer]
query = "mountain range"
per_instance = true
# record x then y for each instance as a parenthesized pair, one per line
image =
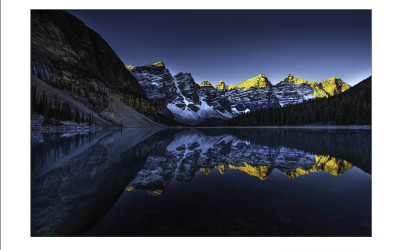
(191, 151)
(182, 99)
(71, 63)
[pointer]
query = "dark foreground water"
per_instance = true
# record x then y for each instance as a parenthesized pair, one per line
(202, 182)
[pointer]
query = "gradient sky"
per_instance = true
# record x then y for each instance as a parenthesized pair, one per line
(235, 45)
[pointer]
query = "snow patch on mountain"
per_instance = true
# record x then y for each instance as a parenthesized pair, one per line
(188, 102)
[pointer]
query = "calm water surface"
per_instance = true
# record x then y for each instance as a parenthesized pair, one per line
(202, 182)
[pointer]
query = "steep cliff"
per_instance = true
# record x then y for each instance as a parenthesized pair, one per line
(179, 97)
(252, 94)
(292, 90)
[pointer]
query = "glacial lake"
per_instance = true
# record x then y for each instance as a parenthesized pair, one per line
(202, 182)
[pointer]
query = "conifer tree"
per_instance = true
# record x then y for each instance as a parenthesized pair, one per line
(77, 116)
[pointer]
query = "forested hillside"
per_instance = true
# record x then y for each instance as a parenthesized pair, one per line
(76, 61)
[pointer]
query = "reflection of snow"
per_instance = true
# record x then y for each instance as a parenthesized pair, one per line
(195, 150)
(205, 142)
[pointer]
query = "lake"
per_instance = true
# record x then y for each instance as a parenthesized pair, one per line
(202, 182)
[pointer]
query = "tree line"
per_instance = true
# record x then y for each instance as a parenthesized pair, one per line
(54, 111)
(352, 107)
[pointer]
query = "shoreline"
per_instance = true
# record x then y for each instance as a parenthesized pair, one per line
(52, 129)
(300, 127)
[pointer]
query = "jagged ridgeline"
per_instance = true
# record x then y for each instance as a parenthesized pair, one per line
(72, 58)
(182, 99)
(352, 107)
(73, 64)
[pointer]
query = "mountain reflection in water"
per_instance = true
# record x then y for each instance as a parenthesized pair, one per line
(89, 184)
(191, 151)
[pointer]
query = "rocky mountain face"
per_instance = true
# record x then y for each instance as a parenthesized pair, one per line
(292, 90)
(71, 57)
(180, 98)
(252, 94)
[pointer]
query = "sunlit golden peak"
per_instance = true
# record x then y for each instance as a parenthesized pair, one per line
(323, 163)
(291, 78)
(129, 67)
(262, 75)
(221, 85)
(157, 63)
(260, 81)
(330, 87)
(258, 171)
(205, 83)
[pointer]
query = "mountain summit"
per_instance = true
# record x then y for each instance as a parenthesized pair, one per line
(221, 85)
(157, 63)
(327, 88)
(260, 81)
(205, 83)
(292, 79)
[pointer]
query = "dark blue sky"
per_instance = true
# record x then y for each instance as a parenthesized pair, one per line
(237, 45)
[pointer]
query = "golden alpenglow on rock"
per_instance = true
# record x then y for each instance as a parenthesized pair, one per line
(260, 171)
(323, 163)
(221, 168)
(129, 67)
(291, 78)
(158, 192)
(260, 81)
(257, 171)
(330, 87)
(332, 165)
(205, 83)
(221, 85)
(206, 171)
(334, 86)
(157, 63)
